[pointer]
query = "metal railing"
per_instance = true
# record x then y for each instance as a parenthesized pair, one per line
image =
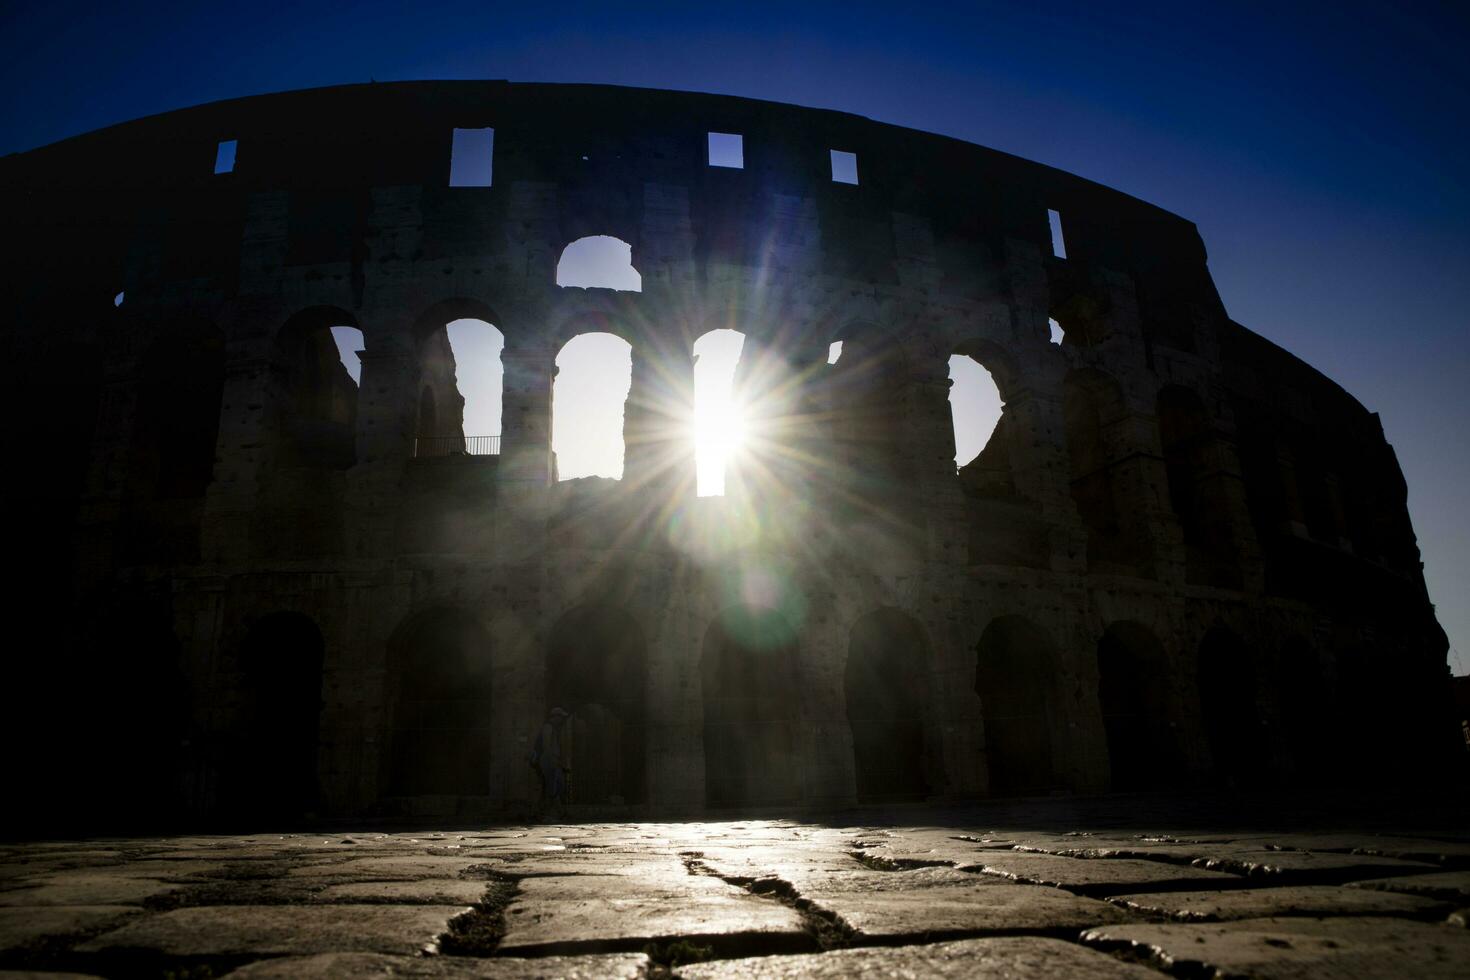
(424, 446)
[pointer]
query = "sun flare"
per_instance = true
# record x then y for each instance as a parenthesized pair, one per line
(719, 418)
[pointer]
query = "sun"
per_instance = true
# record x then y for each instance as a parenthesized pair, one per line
(719, 417)
(719, 433)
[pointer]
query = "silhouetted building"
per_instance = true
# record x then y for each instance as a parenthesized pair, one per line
(258, 588)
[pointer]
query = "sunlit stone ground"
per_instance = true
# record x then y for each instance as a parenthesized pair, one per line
(1113, 888)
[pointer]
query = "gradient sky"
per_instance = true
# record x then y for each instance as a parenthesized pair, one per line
(1322, 151)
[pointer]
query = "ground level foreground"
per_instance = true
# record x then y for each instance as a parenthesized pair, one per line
(1128, 889)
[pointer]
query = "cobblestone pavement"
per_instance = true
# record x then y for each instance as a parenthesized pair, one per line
(973, 893)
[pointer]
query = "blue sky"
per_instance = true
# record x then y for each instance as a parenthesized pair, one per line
(1321, 149)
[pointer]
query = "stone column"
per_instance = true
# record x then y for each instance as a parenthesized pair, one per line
(525, 440)
(245, 447)
(387, 401)
(657, 450)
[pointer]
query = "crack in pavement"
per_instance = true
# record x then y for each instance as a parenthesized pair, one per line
(827, 928)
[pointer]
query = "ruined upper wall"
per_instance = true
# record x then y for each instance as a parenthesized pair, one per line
(598, 144)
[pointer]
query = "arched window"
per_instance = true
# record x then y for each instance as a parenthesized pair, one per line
(479, 378)
(318, 374)
(461, 372)
(719, 424)
(600, 262)
(976, 409)
(594, 374)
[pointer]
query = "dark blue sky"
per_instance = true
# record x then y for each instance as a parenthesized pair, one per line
(1323, 153)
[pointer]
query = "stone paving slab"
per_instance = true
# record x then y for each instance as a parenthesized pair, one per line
(1098, 877)
(733, 862)
(1297, 866)
(276, 930)
(47, 975)
(1449, 885)
(372, 966)
(943, 902)
(1445, 853)
(1255, 903)
(559, 913)
(85, 888)
(20, 927)
(426, 891)
(998, 958)
(1297, 948)
(388, 868)
(591, 863)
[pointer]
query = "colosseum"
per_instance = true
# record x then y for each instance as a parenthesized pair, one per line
(248, 584)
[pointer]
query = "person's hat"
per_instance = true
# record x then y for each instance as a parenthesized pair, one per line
(559, 713)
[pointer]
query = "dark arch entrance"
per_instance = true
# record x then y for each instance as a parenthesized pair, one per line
(1227, 699)
(887, 660)
(440, 669)
(1303, 718)
(1143, 743)
(596, 668)
(751, 705)
(281, 664)
(1015, 666)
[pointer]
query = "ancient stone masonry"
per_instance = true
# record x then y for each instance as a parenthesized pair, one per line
(259, 588)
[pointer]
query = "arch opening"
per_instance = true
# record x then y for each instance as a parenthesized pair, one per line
(1133, 690)
(596, 669)
(588, 399)
(1227, 695)
(599, 262)
(1015, 671)
(316, 358)
(719, 418)
(885, 684)
(462, 381)
(281, 673)
(977, 412)
(751, 705)
(440, 682)
(1303, 719)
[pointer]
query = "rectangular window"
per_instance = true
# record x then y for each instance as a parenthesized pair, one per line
(1058, 243)
(471, 158)
(727, 150)
(844, 167)
(224, 157)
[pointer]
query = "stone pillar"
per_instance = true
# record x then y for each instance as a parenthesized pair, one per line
(675, 733)
(245, 447)
(525, 441)
(387, 403)
(657, 450)
(102, 507)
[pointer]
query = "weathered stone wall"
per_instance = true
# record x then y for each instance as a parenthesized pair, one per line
(1162, 467)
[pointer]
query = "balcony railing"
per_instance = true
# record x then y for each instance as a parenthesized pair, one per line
(424, 446)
